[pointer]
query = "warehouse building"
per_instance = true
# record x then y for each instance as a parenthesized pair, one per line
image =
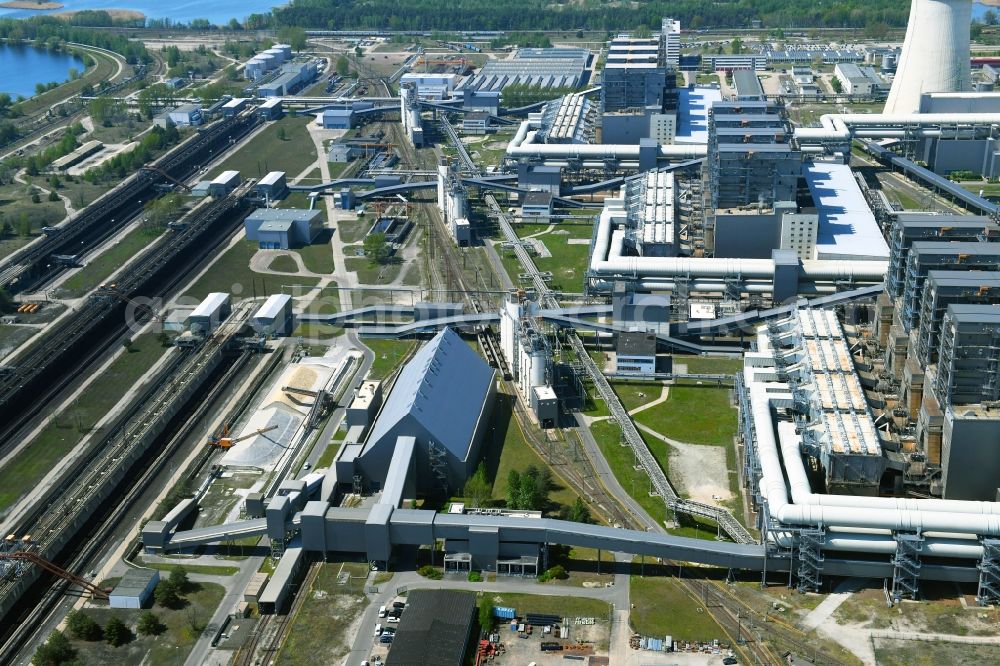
(859, 80)
(223, 184)
(430, 86)
(542, 68)
(444, 399)
(283, 228)
(234, 106)
(536, 206)
(135, 589)
(747, 85)
(209, 314)
(272, 187)
(274, 318)
(186, 115)
(270, 109)
(435, 629)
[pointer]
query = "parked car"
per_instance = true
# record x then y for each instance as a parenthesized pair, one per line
(729, 661)
(378, 630)
(392, 618)
(382, 611)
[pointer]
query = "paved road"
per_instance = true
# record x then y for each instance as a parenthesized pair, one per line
(200, 653)
(609, 480)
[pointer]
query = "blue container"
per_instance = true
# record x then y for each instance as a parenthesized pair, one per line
(504, 612)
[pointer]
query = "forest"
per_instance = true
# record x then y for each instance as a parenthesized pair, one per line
(587, 14)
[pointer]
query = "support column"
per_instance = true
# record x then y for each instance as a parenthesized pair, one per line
(989, 573)
(906, 566)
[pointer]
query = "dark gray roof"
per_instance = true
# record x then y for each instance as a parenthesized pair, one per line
(537, 199)
(974, 314)
(636, 343)
(443, 388)
(434, 630)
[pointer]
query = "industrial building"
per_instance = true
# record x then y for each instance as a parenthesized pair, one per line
(436, 628)
(747, 85)
(185, 115)
(135, 589)
(272, 187)
(210, 313)
(283, 228)
(635, 353)
(234, 106)
(443, 398)
(270, 109)
(430, 86)
(536, 206)
(291, 78)
(861, 81)
(544, 68)
(223, 184)
(847, 227)
(274, 318)
(751, 156)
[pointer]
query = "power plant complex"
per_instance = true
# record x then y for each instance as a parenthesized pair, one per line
(591, 226)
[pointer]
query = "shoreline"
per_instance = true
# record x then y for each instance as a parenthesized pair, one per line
(30, 5)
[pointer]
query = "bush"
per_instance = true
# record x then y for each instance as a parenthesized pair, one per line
(558, 572)
(149, 624)
(427, 571)
(83, 627)
(56, 650)
(116, 633)
(53, 196)
(475, 577)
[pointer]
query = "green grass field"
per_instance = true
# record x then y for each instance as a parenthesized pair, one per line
(101, 267)
(231, 273)
(319, 631)
(318, 257)
(699, 414)
(206, 569)
(622, 463)
(266, 152)
(552, 605)
(637, 394)
(283, 264)
(661, 608)
(370, 273)
(568, 262)
(709, 365)
(389, 355)
(68, 428)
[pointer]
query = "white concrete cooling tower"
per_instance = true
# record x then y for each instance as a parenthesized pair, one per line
(935, 54)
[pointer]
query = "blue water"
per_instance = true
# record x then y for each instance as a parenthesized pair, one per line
(24, 66)
(181, 11)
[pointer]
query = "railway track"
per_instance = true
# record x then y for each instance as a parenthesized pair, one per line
(41, 604)
(72, 344)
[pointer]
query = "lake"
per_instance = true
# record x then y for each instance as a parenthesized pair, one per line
(24, 66)
(182, 11)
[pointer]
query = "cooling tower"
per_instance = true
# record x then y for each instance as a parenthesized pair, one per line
(935, 55)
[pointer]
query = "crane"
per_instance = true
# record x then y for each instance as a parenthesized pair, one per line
(224, 441)
(35, 558)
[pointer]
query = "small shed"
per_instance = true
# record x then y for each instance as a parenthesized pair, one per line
(271, 109)
(224, 183)
(210, 313)
(274, 317)
(234, 106)
(134, 589)
(272, 186)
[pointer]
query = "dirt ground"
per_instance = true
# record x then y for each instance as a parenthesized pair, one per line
(700, 471)
(521, 651)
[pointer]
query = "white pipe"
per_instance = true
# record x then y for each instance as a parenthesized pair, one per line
(608, 260)
(840, 127)
(523, 145)
(950, 516)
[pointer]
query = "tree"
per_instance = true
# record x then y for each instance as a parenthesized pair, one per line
(53, 196)
(280, 133)
(6, 229)
(56, 650)
(485, 613)
(116, 633)
(513, 489)
(178, 579)
(642, 32)
(36, 197)
(24, 225)
(82, 626)
(836, 84)
(234, 24)
(149, 624)
(477, 488)
(166, 595)
(736, 46)
(358, 52)
(376, 248)
(343, 66)
(127, 344)
(294, 37)
(578, 512)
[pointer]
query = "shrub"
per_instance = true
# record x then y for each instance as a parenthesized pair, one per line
(82, 626)
(427, 571)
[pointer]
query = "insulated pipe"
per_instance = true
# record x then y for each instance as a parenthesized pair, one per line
(840, 126)
(867, 512)
(608, 260)
(523, 145)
